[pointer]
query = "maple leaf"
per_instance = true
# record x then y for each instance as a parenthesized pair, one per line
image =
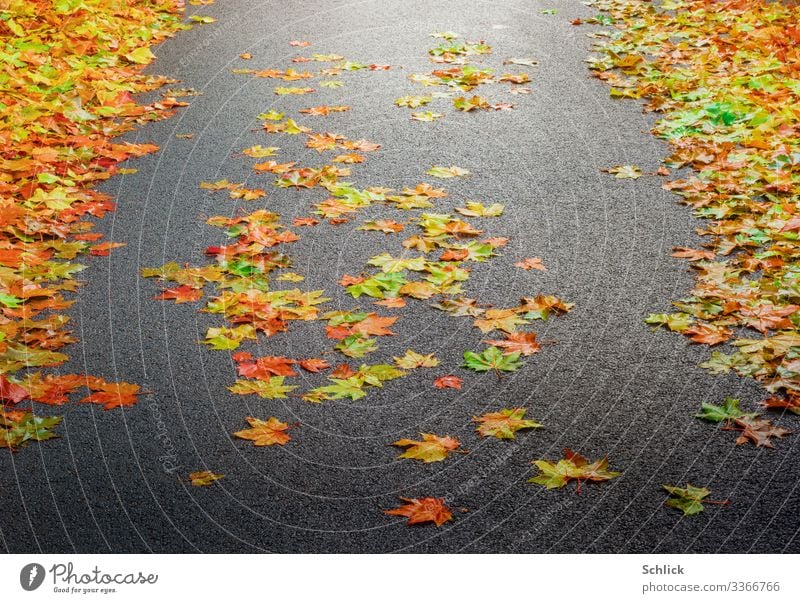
(492, 359)
(299, 43)
(273, 167)
(11, 392)
(448, 381)
(204, 478)
(693, 255)
(267, 366)
(426, 116)
(258, 151)
(372, 324)
(625, 171)
(247, 194)
(418, 290)
(476, 209)
(218, 185)
(557, 474)
(790, 403)
(523, 343)
(112, 395)
(708, 334)
(728, 411)
(412, 102)
(476, 102)
(412, 360)
(284, 90)
(384, 226)
(504, 424)
(392, 302)
(460, 307)
(356, 346)
(349, 158)
(104, 249)
(265, 433)
(531, 264)
(20, 428)
(501, 319)
(422, 510)
(443, 172)
(679, 321)
(314, 365)
(690, 499)
(270, 389)
(182, 295)
(454, 255)
(758, 431)
(430, 449)
(515, 78)
(325, 110)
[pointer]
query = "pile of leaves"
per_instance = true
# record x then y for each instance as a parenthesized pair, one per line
(70, 69)
(726, 81)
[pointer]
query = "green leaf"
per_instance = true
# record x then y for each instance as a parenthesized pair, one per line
(728, 411)
(688, 499)
(272, 389)
(9, 301)
(355, 346)
(492, 359)
(351, 388)
(678, 322)
(16, 433)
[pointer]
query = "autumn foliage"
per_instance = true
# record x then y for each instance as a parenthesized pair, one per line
(69, 76)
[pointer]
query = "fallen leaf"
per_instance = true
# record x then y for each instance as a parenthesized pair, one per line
(265, 433)
(204, 478)
(625, 171)
(422, 510)
(448, 381)
(531, 264)
(504, 424)
(430, 449)
(573, 467)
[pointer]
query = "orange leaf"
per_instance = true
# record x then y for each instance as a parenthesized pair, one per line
(448, 381)
(421, 510)
(531, 264)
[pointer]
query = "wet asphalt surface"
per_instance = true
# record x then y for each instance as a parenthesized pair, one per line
(604, 383)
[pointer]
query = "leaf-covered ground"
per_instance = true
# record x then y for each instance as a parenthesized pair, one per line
(293, 301)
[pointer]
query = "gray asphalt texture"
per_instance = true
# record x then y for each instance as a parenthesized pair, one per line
(605, 383)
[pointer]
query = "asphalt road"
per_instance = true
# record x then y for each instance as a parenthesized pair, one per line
(605, 384)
